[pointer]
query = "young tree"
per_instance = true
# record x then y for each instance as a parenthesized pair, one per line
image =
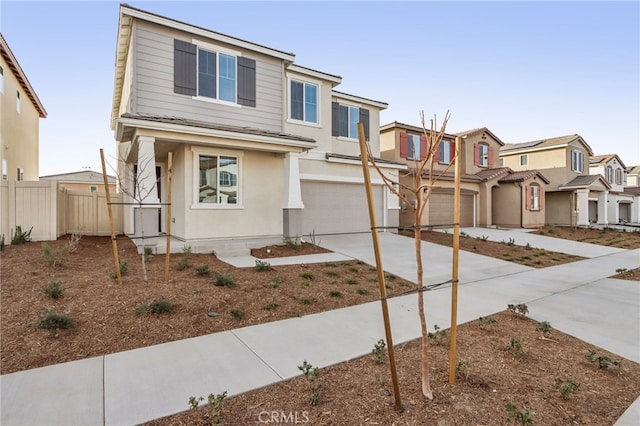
(414, 192)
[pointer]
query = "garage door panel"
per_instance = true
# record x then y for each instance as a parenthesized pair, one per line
(332, 208)
(441, 210)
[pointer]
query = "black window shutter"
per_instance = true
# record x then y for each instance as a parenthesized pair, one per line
(364, 119)
(184, 67)
(246, 81)
(335, 119)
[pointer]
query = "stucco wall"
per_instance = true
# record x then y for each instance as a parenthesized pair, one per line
(558, 210)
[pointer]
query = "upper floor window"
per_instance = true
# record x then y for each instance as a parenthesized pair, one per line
(577, 161)
(524, 160)
(501, 162)
(345, 118)
(18, 101)
(446, 151)
(304, 101)
(608, 174)
(413, 147)
(618, 176)
(482, 155)
(534, 197)
(214, 74)
(5, 169)
(20, 174)
(93, 188)
(217, 179)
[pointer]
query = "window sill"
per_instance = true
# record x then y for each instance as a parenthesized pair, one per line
(217, 207)
(342, 138)
(216, 101)
(304, 123)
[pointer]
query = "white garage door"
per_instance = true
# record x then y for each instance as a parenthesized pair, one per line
(441, 209)
(337, 208)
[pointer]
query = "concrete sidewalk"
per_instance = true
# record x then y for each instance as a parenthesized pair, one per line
(143, 384)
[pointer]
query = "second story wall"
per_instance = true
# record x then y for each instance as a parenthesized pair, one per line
(613, 171)
(346, 112)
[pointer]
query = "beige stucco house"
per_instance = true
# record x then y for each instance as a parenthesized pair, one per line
(633, 176)
(573, 196)
(83, 181)
(20, 114)
(620, 205)
(489, 195)
(262, 148)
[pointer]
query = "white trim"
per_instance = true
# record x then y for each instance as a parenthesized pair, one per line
(313, 73)
(196, 151)
(217, 101)
(359, 100)
(340, 179)
(304, 81)
(214, 47)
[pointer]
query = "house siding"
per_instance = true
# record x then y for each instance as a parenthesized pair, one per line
(154, 45)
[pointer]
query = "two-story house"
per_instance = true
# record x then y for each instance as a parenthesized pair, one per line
(619, 204)
(83, 181)
(20, 114)
(488, 193)
(261, 148)
(573, 197)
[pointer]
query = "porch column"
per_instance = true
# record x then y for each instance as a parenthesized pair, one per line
(292, 203)
(602, 208)
(125, 186)
(582, 207)
(635, 210)
(613, 208)
(146, 195)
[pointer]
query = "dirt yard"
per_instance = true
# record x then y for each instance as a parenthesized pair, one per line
(205, 295)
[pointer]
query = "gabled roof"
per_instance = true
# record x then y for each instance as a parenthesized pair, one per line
(479, 130)
(584, 181)
(633, 170)
(85, 176)
(522, 176)
(334, 79)
(598, 160)
(541, 144)
(11, 60)
(379, 104)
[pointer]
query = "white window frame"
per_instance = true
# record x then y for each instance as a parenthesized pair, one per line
(413, 147)
(5, 169)
(196, 204)
(577, 161)
(618, 174)
(483, 155)
(535, 198)
(444, 152)
(93, 188)
(524, 160)
(350, 137)
(608, 174)
(20, 174)
(211, 48)
(304, 111)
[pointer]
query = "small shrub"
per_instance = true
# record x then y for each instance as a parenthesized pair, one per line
(351, 281)
(276, 282)
(124, 269)
(237, 314)
(515, 347)
(528, 246)
(389, 277)
(270, 307)
(312, 373)
(483, 238)
(293, 243)
(462, 369)
(2, 243)
(354, 270)
(215, 406)
(307, 276)
(20, 237)
(224, 281)
(262, 266)
(621, 270)
(203, 270)
(486, 321)
(511, 242)
(545, 328)
(379, 351)
(148, 251)
(184, 260)
(53, 289)
(307, 300)
(520, 308)
(567, 387)
(523, 416)
(335, 293)
(362, 291)
(53, 321)
(603, 361)
(438, 336)
(161, 306)
(552, 230)
(53, 256)
(331, 273)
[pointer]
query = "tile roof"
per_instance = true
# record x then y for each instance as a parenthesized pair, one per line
(584, 180)
(545, 143)
(478, 130)
(357, 158)
(214, 126)
(489, 174)
(522, 176)
(605, 158)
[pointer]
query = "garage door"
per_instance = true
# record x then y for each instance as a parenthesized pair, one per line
(624, 213)
(441, 209)
(337, 208)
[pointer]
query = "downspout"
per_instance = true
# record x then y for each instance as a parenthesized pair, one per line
(522, 207)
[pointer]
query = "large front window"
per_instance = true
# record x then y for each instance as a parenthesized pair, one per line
(483, 155)
(218, 179)
(304, 102)
(413, 147)
(534, 200)
(609, 174)
(349, 117)
(217, 75)
(577, 161)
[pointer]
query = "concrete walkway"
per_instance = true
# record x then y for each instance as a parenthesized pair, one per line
(143, 384)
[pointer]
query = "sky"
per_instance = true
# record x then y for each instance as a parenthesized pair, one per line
(525, 70)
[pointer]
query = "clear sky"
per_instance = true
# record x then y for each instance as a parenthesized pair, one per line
(525, 70)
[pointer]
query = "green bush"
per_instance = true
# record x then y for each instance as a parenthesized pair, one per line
(21, 237)
(53, 321)
(53, 289)
(203, 270)
(237, 314)
(124, 269)
(224, 281)
(161, 306)
(54, 256)
(262, 266)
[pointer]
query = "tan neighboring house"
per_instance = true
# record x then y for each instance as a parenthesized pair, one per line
(20, 114)
(573, 196)
(488, 193)
(83, 181)
(262, 148)
(633, 176)
(619, 204)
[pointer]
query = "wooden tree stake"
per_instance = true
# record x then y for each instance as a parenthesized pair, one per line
(454, 275)
(114, 244)
(167, 257)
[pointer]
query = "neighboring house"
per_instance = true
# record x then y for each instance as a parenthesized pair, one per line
(20, 114)
(633, 176)
(83, 181)
(487, 193)
(262, 148)
(573, 197)
(619, 204)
